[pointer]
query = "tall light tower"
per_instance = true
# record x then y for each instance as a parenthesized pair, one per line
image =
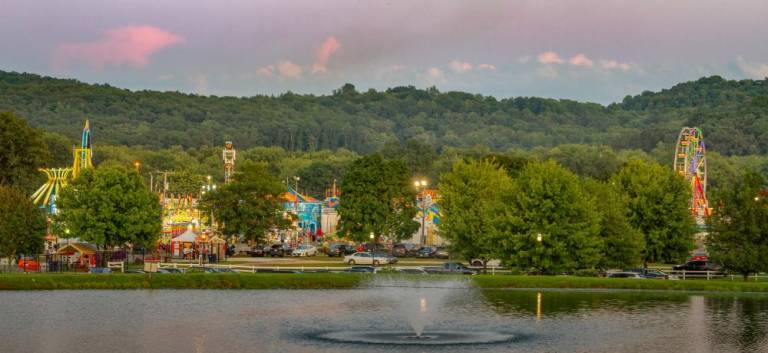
(421, 185)
(229, 154)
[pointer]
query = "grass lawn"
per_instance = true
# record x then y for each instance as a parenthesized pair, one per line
(718, 285)
(181, 281)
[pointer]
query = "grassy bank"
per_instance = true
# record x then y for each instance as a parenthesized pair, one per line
(180, 281)
(719, 285)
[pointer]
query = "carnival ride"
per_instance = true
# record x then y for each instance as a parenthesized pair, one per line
(58, 178)
(229, 154)
(691, 163)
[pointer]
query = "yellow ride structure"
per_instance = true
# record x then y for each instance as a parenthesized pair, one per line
(58, 178)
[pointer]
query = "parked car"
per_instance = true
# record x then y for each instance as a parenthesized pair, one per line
(169, 270)
(369, 258)
(649, 273)
(412, 271)
(305, 250)
(218, 270)
(440, 253)
(101, 270)
(258, 251)
(451, 268)
(634, 275)
(426, 251)
(361, 269)
(697, 265)
(135, 271)
(279, 250)
(405, 250)
(488, 263)
(340, 250)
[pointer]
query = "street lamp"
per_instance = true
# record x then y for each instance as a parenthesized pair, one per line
(137, 165)
(420, 186)
(538, 237)
(373, 236)
(209, 187)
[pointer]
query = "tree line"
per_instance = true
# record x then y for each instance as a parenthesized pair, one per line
(733, 114)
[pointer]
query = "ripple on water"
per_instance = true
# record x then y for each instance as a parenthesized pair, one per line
(408, 338)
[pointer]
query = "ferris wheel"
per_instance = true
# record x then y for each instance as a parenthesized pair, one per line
(691, 163)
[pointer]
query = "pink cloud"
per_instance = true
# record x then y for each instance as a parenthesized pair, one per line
(129, 45)
(323, 53)
(615, 65)
(287, 69)
(460, 66)
(581, 60)
(266, 71)
(488, 67)
(435, 73)
(550, 57)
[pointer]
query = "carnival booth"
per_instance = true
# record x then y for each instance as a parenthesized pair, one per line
(82, 255)
(214, 248)
(184, 244)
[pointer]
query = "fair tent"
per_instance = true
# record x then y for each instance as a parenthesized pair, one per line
(186, 237)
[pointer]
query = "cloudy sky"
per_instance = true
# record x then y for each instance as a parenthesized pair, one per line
(579, 49)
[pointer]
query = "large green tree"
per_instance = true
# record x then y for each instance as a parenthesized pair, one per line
(659, 207)
(110, 206)
(22, 152)
(319, 176)
(551, 202)
(738, 237)
(378, 197)
(622, 244)
(473, 207)
(251, 205)
(22, 224)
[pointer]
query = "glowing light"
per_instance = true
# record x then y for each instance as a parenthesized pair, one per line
(423, 305)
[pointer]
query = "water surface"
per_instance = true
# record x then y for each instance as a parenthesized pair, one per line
(295, 320)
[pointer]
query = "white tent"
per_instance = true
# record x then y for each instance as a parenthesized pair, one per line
(186, 237)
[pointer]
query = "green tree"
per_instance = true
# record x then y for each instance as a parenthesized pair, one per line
(22, 152)
(378, 197)
(659, 207)
(110, 206)
(622, 243)
(473, 207)
(551, 204)
(22, 224)
(319, 176)
(251, 205)
(738, 238)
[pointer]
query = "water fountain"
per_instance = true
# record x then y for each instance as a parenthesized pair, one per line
(419, 302)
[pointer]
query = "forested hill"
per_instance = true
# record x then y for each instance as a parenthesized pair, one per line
(733, 114)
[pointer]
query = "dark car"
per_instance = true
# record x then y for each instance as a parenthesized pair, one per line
(440, 253)
(279, 250)
(697, 265)
(405, 250)
(362, 269)
(649, 273)
(426, 251)
(101, 270)
(258, 252)
(340, 250)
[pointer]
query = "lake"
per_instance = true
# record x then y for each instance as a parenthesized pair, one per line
(352, 320)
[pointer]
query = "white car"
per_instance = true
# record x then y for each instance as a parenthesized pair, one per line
(365, 258)
(305, 250)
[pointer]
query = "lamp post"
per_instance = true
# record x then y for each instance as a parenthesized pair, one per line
(539, 238)
(420, 186)
(373, 237)
(137, 165)
(209, 187)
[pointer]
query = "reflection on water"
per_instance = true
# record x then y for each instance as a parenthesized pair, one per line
(288, 321)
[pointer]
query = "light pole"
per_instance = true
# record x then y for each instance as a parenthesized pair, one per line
(539, 238)
(373, 236)
(209, 187)
(420, 186)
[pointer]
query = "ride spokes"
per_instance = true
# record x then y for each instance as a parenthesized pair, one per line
(691, 163)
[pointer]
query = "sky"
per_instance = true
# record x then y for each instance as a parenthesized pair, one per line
(586, 50)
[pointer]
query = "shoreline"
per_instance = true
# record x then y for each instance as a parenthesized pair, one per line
(68, 281)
